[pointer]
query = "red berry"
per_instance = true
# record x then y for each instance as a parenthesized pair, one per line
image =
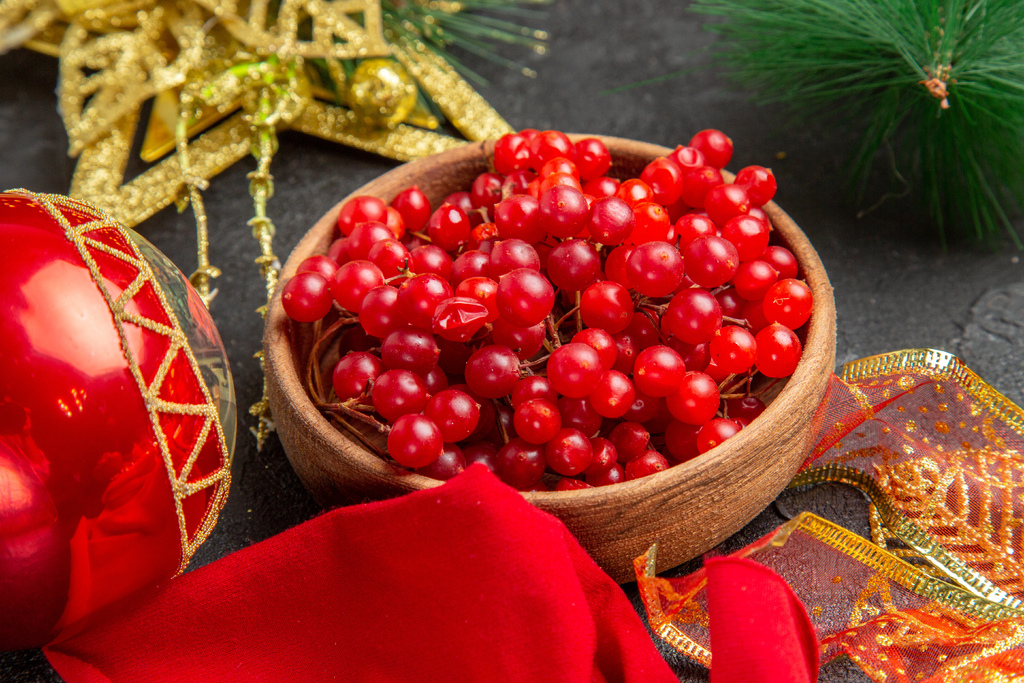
(651, 223)
(319, 263)
(578, 413)
(353, 281)
(574, 369)
(450, 463)
(562, 211)
(782, 260)
(611, 221)
(359, 210)
(601, 187)
(533, 386)
(455, 413)
(612, 475)
(725, 202)
(711, 261)
(645, 464)
(753, 279)
(759, 183)
(486, 190)
(688, 157)
(634, 191)
(430, 258)
(665, 178)
(733, 349)
(398, 392)
(520, 463)
(353, 372)
(537, 420)
(693, 316)
(419, 296)
(693, 225)
(592, 158)
(492, 371)
(525, 297)
(697, 182)
(630, 440)
(484, 290)
(524, 341)
(613, 395)
(306, 297)
(517, 217)
(681, 441)
(571, 484)
(549, 144)
(788, 302)
(378, 314)
(568, 452)
(414, 208)
(743, 410)
(695, 400)
(658, 370)
(448, 227)
(414, 441)
(600, 341)
(778, 351)
(459, 318)
(511, 254)
(604, 455)
(410, 349)
(615, 265)
(715, 145)
(573, 265)
(469, 264)
(606, 305)
(655, 269)
(748, 234)
(511, 153)
(715, 432)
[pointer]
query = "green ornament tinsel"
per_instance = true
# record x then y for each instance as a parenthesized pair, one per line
(938, 84)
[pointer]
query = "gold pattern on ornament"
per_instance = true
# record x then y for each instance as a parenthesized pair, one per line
(343, 29)
(182, 485)
(106, 77)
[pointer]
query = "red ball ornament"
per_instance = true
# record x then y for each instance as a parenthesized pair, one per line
(117, 416)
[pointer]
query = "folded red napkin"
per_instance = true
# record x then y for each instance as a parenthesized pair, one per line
(760, 630)
(465, 582)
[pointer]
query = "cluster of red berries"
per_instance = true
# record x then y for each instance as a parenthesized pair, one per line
(554, 319)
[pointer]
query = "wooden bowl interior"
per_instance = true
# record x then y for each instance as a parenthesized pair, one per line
(687, 509)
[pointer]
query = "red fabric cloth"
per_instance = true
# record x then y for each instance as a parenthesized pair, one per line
(759, 629)
(466, 582)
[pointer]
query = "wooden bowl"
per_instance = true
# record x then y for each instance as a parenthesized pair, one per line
(687, 509)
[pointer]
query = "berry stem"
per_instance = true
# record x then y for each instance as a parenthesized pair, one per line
(358, 435)
(534, 363)
(313, 378)
(549, 322)
(572, 311)
(579, 315)
(356, 415)
(657, 325)
(497, 418)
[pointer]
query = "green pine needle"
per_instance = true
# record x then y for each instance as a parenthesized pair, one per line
(469, 26)
(872, 60)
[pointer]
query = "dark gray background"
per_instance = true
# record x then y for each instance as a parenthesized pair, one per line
(895, 288)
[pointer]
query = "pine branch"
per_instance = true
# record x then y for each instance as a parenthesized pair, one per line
(940, 83)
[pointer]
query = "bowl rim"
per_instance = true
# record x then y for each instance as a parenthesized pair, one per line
(820, 340)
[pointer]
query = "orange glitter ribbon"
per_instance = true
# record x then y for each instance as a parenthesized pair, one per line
(937, 596)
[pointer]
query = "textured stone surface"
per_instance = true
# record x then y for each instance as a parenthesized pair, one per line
(895, 287)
